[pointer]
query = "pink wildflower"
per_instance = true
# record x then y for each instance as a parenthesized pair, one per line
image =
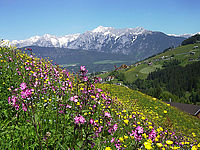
(76, 119)
(82, 68)
(107, 114)
(23, 86)
(82, 119)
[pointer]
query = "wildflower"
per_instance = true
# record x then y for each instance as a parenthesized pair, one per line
(23, 86)
(24, 107)
(107, 114)
(115, 127)
(76, 119)
(169, 142)
(140, 129)
(82, 68)
(113, 139)
(82, 119)
(175, 147)
(126, 121)
(165, 111)
(147, 145)
(121, 139)
(159, 144)
(91, 121)
(108, 148)
(194, 147)
(198, 145)
(125, 137)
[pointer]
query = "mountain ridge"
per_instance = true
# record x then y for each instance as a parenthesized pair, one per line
(104, 39)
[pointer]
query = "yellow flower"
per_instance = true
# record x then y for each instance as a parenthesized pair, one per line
(150, 127)
(143, 118)
(125, 137)
(147, 145)
(156, 139)
(92, 96)
(175, 147)
(121, 139)
(194, 147)
(149, 123)
(45, 100)
(144, 135)
(126, 122)
(193, 134)
(138, 122)
(78, 103)
(124, 110)
(165, 111)
(198, 145)
(169, 142)
(108, 148)
(159, 144)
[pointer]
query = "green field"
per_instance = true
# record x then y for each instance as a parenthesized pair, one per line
(181, 53)
(109, 62)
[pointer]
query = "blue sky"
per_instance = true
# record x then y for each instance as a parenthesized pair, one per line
(21, 19)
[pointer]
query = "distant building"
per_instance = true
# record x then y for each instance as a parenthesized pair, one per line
(192, 53)
(195, 47)
(189, 108)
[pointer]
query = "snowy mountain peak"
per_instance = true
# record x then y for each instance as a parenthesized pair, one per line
(101, 29)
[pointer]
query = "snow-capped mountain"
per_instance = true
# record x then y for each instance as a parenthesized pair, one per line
(107, 39)
(184, 35)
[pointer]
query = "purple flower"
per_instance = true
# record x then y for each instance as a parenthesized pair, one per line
(140, 129)
(107, 114)
(76, 120)
(82, 119)
(24, 107)
(91, 121)
(82, 68)
(23, 86)
(115, 127)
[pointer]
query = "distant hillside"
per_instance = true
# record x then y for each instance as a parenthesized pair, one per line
(192, 40)
(72, 59)
(135, 76)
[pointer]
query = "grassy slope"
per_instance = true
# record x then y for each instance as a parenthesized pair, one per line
(154, 109)
(181, 53)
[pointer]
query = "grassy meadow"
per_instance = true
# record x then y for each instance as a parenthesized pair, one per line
(43, 106)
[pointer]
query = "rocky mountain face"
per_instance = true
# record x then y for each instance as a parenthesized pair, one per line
(129, 41)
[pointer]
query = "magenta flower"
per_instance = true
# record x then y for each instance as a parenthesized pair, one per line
(91, 121)
(113, 139)
(76, 120)
(82, 119)
(24, 107)
(140, 129)
(23, 86)
(82, 68)
(115, 127)
(85, 78)
(107, 114)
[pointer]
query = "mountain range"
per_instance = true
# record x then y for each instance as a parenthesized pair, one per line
(107, 39)
(105, 43)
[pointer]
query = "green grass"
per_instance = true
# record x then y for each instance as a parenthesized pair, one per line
(181, 53)
(109, 62)
(174, 119)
